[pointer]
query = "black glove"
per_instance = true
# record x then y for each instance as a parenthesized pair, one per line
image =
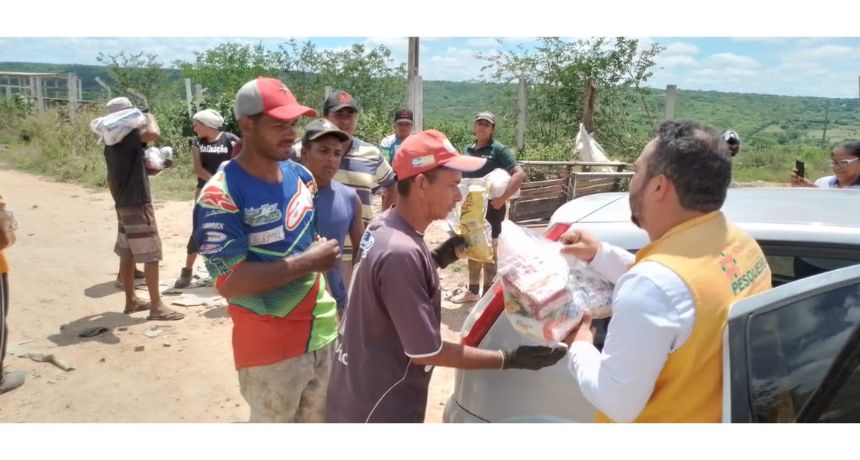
(446, 253)
(533, 357)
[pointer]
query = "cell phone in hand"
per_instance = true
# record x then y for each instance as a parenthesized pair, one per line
(800, 168)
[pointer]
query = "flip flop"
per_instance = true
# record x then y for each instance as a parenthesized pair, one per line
(172, 316)
(454, 292)
(93, 331)
(137, 309)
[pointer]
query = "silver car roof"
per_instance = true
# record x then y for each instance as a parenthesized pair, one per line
(769, 214)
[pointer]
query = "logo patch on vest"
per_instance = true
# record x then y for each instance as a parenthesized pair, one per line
(730, 266)
(742, 281)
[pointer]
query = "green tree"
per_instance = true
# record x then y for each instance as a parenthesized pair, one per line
(557, 72)
(224, 69)
(371, 76)
(137, 74)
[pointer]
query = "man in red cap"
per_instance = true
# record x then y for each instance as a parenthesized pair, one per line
(390, 338)
(403, 122)
(256, 231)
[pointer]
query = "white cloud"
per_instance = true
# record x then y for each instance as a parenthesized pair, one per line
(766, 40)
(452, 64)
(731, 59)
(681, 48)
(676, 61)
(482, 42)
(824, 53)
(395, 44)
(516, 40)
(727, 73)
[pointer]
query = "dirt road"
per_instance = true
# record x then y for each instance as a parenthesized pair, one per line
(62, 282)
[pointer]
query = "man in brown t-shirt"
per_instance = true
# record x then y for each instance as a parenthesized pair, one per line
(390, 338)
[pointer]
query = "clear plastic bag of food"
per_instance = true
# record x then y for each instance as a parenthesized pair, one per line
(468, 219)
(545, 296)
(589, 288)
(152, 159)
(166, 153)
(114, 127)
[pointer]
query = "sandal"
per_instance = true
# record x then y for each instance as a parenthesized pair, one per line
(170, 316)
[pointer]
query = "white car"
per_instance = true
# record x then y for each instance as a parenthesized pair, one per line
(789, 354)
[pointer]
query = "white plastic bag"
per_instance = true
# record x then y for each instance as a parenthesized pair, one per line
(114, 127)
(155, 158)
(152, 159)
(545, 296)
(166, 153)
(497, 183)
(589, 150)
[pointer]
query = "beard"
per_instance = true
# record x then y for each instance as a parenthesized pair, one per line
(635, 208)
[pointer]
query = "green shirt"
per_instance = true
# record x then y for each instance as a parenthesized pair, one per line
(497, 155)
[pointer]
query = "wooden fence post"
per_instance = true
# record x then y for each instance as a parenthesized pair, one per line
(106, 87)
(588, 110)
(198, 95)
(188, 97)
(40, 97)
(521, 115)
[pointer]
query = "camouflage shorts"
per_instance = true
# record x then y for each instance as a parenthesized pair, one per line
(289, 391)
(137, 234)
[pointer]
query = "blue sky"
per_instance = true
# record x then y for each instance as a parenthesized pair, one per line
(818, 66)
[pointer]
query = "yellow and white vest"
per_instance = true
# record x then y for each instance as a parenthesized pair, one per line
(720, 264)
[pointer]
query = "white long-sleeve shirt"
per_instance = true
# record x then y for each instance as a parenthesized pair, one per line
(652, 316)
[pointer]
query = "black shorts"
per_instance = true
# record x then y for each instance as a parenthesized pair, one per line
(495, 218)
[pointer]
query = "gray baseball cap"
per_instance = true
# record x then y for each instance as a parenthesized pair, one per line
(321, 127)
(486, 116)
(339, 100)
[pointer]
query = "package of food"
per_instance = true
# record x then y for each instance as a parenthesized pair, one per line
(150, 131)
(114, 127)
(166, 153)
(472, 224)
(589, 288)
(545, 295)
(152, 159)
(468, 219)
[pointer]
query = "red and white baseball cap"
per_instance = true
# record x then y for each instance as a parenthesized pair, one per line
(271, 97)
(428, 150)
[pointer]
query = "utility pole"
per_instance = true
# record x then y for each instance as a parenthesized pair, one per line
(671, 91)
(72, 94)
(826, 120)
(414, 86)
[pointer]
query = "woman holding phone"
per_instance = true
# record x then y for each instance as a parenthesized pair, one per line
(845, 161)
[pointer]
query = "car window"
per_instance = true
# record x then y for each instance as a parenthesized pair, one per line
(845, 405)
(791, 348)
(793, 262)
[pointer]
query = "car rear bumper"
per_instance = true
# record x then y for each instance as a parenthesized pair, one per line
(454, 413)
